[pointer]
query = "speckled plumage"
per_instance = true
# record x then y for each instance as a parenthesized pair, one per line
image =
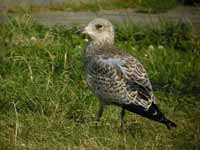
(116, 77)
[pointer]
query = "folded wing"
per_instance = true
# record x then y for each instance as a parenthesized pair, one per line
(120, 79)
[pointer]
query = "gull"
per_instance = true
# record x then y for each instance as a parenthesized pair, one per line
(118, 78)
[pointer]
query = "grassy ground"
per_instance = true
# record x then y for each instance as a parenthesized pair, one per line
(96, 5)
(74, 5)
(46, 104)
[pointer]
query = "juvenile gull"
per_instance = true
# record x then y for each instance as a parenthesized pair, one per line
(116, 77)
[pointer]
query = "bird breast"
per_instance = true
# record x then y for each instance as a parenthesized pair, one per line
(106, 84)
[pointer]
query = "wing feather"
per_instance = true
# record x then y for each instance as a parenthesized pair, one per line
(120, 78)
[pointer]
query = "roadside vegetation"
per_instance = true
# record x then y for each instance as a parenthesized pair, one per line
(147, 6)
(45, 102)
(74, 5)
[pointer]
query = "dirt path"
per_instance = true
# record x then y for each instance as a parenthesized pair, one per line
(69, 19)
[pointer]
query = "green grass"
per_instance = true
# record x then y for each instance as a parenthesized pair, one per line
(155, 6)
(75, 5)
(46, 104)
(152, 6)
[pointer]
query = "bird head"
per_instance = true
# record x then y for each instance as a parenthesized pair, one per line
(100, 30)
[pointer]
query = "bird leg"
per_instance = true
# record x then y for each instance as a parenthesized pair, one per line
(122, 114)
(100, 111)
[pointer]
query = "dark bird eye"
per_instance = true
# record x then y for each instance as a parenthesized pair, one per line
(98, 26)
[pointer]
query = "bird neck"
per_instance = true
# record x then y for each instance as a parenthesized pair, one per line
(102, 43)
(95, 46)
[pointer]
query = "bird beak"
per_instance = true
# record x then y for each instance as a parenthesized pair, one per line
(82, 30)
(85, 29)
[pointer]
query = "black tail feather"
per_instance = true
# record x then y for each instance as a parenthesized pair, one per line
(170, 124)
(152, 113)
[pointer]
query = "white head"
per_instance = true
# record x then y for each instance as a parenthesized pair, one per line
(100, 30)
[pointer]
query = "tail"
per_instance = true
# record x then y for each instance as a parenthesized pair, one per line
(170, 124)
(152, 113)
